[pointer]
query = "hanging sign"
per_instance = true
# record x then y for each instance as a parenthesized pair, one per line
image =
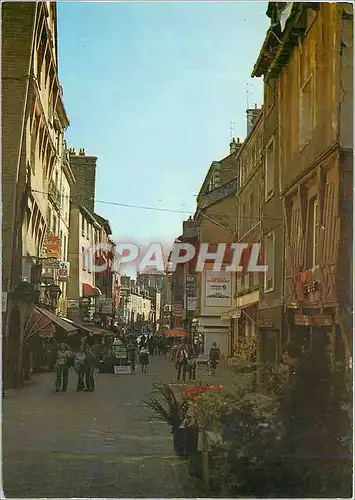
(52, 247)
(63, 271)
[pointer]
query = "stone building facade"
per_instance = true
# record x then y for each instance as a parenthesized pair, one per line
(310, 61)
(33, 119)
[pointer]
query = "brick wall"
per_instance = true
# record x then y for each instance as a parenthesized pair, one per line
(84, 170)
(17, 30)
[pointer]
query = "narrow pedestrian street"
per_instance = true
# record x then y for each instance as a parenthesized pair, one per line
(102, 444)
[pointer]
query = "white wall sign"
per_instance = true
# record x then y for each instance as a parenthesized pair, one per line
(122, 370)
(107, 306)
(191, 303)
(63, 271)
(218, 289)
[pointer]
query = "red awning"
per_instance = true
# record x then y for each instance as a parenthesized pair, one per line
(176, 333)
(90, 291)
(39, 324)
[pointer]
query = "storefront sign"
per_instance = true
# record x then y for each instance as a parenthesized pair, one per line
(52, 247)
(107, 306)
(303, 320)
(218, 289)
(178, 308)
(120, 352)
(191, 303)
(316, 320)
(63, 271)
(190, 286)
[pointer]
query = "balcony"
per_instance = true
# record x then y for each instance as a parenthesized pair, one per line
(54, 194)
(223, 191)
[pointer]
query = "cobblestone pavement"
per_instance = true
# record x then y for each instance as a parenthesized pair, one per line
(101, 444)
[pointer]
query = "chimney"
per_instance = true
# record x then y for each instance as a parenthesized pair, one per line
(252, 116)
(235, 146)
(82, 152)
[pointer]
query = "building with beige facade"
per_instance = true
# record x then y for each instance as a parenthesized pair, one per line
(33, 122)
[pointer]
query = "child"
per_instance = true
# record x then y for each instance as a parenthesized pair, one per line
(144, 358)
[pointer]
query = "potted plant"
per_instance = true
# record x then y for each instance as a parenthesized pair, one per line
(169, 409)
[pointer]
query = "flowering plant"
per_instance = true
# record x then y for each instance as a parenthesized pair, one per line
(205, 406)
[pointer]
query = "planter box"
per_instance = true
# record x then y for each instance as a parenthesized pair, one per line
(185, 441)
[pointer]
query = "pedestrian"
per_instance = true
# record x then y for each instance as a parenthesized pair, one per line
(80, 368)
(90, 364)
(142, 341)
(132, 352)
(192, 362)
(181, 363)
(144, 358)
(151, 345)
(62, 368)
(215, 356)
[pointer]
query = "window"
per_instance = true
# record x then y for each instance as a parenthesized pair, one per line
(65, 253)
(49, 219)
(269, 169)
(313, 233)
(270, 262)
(82, 225)
(83, 257)
(54, 224)
(306, 112)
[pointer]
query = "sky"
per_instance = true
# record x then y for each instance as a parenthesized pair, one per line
(151, 89)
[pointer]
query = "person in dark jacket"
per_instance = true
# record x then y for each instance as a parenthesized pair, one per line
(215, 356)
(192, 362)
(90, 365)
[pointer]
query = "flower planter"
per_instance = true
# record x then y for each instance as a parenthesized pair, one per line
(179, 438)
(185, 441)
(191, 437)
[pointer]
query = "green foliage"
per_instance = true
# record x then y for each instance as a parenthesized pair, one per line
(168, 408)
(245, 349)
(293, 440)
(205, 410)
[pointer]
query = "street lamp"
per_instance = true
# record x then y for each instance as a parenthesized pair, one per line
(53, 292)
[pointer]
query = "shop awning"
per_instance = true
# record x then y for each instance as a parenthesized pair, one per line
(231, 314)
(78, 326)
(38, 323)
(91, 291)
(176, 333)
(67, 327)
(88, 329)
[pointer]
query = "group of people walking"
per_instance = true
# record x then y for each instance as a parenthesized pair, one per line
(84, 363)
(185, 356)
